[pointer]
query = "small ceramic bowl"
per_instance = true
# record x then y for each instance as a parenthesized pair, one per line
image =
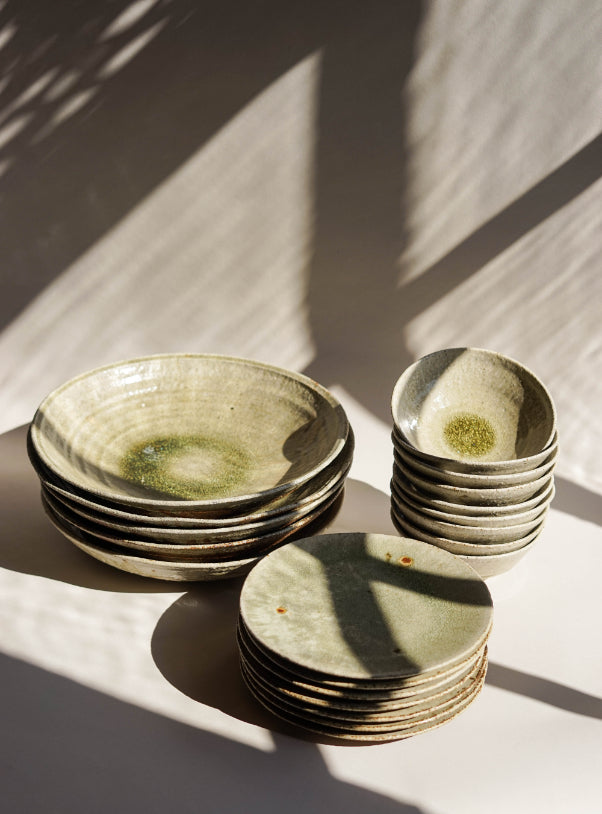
(460, 547)
(471, 479)
(472, 496)
(473, 405)
(426, 508)
(476, 467)
(481, 535)
(492, 565)
(185, 432)
(429, 500)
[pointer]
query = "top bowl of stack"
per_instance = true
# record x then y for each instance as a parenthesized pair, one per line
(475, 411)
(186, 432)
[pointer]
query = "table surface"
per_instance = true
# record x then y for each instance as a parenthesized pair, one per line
(125, 693)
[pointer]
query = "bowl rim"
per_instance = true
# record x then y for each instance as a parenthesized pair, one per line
(402, 381)
(253, 498)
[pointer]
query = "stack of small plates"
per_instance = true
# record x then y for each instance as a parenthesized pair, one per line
(364, 637)
(189, 467)
(474, 446)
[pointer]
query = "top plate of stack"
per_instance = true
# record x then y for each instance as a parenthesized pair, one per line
(213, 451)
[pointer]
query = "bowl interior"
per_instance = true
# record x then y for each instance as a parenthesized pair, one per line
(473, 405)
(188, 428)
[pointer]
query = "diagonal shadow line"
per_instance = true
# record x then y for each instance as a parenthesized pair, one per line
(544, 690)
(497, 234)
(576, 500)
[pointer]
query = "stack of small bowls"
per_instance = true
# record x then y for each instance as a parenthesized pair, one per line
(474, 447)
(189, 466)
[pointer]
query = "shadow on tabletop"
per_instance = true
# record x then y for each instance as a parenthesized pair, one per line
(30, 544)
(87, 751)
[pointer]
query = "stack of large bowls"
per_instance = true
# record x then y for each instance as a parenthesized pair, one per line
(364, 637)
(189, 467)
(474, 446)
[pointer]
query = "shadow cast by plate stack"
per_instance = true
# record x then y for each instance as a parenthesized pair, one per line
(474, 450)
(188, 466)
(364, 637)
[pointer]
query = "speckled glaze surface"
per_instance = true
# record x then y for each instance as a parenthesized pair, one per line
(473, 405)
(186, 430)
(366, 606)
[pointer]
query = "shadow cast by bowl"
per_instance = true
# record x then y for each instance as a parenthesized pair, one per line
(30, 544)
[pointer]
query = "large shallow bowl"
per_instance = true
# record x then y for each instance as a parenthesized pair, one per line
(108, 512)
(473, 405)
(185, 432)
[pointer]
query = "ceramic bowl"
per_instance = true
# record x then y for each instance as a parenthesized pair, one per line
(467, 534)
(185, 432)
(428, 499)
(185, 549)
(473, 479)
(525, 464)
(108, 513)
(473, 496)
(492, 565)
(512, 518)
(473, 405)
(459, 547)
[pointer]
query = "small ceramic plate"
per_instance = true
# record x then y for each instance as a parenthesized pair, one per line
(366, 606)
(178, 432)
(388, 691)
(353, 735)
(367, 720)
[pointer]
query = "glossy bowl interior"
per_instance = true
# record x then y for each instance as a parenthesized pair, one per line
(473, 405)
(184, 431)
